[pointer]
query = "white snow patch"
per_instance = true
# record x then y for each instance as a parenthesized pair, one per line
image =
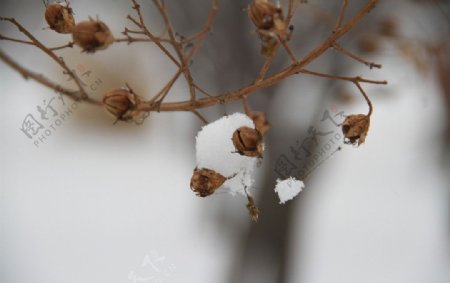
(288, 189)
(215, 151)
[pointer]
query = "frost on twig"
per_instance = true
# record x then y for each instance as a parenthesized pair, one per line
(288, 189)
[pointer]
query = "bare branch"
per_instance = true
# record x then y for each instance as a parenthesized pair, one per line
(50, 53)
(27, 74)
(356, 58)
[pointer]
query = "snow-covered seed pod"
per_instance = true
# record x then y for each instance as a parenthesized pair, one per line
(248, 142)
(92, 35)
(205, 182)
(59, 17)
(215, 151)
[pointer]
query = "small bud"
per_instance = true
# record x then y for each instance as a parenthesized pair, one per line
(269, 21)
(248, 142)
(92, 35)
(260, 121)
(60, 18)
(205, 181)
(122, 104)
(266, 15)
(355, 128)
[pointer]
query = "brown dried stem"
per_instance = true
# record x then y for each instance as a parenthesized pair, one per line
(27, 74)
(355, 57)
(49, 52)
(269, 81)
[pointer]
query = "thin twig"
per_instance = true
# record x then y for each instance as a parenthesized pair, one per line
(200, 116)
(39, 78)
(356, 58)
(366, 97)
(50, 53)
(2, 37)
(177, 46)
(341, 15)
(147, 32)
(350, 79)
(269, 81)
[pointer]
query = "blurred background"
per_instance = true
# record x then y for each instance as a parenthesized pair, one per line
(89, 201)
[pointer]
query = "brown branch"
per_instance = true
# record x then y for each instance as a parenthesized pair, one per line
(140, 24)
(350, 79)
(67, 45)
(341, 14)
(50, 53)
(2, 37)
(27, 74)
(356, 58)
(200, 116)
(177, 46)
(366, 97)
(291, 11)
(269, 81)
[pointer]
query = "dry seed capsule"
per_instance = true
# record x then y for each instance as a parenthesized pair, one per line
(206, 181)
(92, 35)
(60, 17)
(355, 128)
(248, 142)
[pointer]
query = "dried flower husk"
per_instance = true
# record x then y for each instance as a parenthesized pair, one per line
(260, 121)
(248, 142)
(270, 23)
(92, 35)
(355, 128)
(60, 18)
(123, 104)
(267, 16)
(205, 182)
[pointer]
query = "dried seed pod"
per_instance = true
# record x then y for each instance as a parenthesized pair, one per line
(269, 21)
(60, 17)
(92, 35)
(260, 120)
(355, 128)
(266, 15)
(205, 182)
(122, 104)
(248, 142)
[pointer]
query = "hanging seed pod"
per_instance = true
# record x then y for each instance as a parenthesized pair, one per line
(92, 35)
(122, 104)
(355, 128)
(248, 142)
(205, 182)
(59, 17)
